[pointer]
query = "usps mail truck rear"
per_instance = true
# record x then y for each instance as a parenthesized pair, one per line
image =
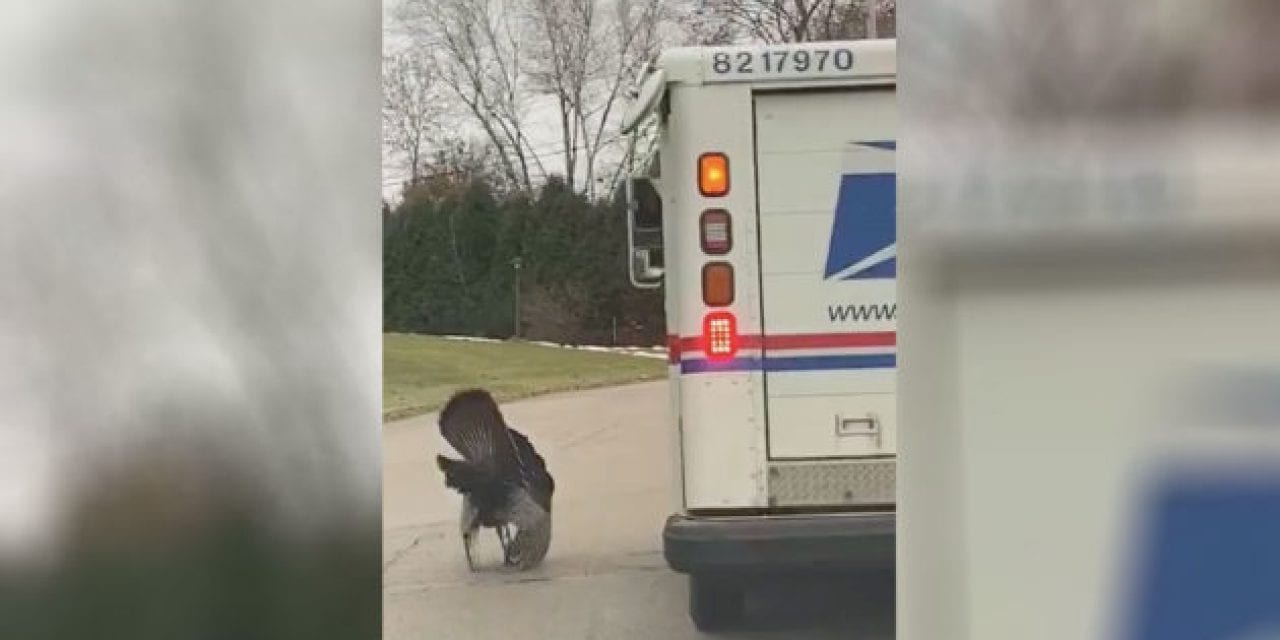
(762, 201)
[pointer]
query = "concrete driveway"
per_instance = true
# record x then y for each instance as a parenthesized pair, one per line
(604, 576)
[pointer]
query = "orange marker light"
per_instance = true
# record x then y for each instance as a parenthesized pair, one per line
(713, 174)
(717, 284)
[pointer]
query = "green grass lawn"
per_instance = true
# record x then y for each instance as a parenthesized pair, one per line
(421, 372)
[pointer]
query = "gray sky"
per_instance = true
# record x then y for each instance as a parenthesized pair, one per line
(542, 127)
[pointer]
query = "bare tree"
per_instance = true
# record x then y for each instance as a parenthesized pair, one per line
(477, 51)
(588, 53)
(776, 21)
(700, 26)
(455, 161)
(634, 37)
(563, 31)
(411, 108)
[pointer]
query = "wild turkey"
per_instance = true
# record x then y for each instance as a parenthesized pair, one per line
(503, 481)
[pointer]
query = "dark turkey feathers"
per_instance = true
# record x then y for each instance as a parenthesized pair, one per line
(503, 480)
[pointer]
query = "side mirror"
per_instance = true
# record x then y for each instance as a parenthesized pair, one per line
(645, 205)
(646, 265)
(644, 233)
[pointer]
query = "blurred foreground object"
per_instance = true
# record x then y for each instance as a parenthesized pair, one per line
(1089, 364)
(189, 321)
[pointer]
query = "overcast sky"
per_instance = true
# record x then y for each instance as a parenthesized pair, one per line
(542, 128)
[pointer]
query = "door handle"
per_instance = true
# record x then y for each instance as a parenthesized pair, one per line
(860, 426)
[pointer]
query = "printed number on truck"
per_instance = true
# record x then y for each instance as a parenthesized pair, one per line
(780, 62)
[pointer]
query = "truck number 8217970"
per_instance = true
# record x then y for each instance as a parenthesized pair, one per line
(798, 61)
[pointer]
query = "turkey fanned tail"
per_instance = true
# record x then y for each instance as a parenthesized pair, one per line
(501, 476)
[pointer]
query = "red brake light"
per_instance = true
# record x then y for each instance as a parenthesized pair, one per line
(720, 335)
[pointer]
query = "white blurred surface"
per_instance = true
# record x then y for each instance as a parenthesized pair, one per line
(1089, 213)
(189, 253)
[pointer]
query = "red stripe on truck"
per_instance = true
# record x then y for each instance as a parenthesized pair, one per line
(821, 340)
(677, 345)
(673, 349)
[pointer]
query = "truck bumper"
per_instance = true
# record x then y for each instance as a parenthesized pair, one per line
(737, 544)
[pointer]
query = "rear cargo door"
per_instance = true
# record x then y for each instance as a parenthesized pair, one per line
(826, 206)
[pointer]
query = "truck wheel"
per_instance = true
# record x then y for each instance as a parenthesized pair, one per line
(714, 603)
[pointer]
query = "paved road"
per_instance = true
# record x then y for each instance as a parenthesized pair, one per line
(604, 576)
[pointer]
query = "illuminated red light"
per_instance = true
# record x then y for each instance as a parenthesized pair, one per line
(720, 335)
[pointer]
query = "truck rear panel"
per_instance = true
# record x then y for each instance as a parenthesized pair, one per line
(825, 185)
(801, 415)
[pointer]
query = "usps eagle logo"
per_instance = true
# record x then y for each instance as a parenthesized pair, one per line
(864, 234)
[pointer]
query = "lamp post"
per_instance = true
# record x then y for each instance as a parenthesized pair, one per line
(515, 264)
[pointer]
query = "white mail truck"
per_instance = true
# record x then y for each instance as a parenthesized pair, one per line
(762, 201)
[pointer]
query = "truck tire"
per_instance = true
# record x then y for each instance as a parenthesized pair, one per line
(714, 603)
